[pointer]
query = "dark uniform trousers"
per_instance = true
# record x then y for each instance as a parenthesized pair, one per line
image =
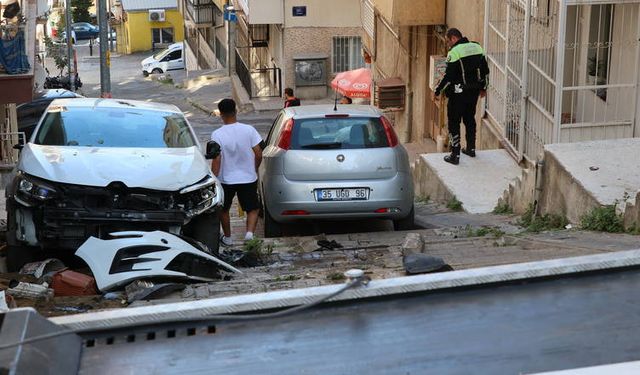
(462, 106)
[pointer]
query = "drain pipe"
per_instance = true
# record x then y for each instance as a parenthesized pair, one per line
(538, 183)
(409, 107)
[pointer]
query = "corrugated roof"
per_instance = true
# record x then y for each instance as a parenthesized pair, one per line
(132, 5)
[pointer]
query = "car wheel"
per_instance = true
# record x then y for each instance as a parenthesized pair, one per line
(205, 228)
(406, 223)
(271, 227)
(157, 71)
(17, 254)
(145, 73)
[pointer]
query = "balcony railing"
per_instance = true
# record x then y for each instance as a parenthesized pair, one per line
(200, 11)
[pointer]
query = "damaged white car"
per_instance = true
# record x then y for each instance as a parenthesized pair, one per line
(98, 166)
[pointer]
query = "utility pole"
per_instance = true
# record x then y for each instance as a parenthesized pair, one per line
(70, 59)
(105, 54)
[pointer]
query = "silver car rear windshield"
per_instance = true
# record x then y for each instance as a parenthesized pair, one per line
(338, 133)
(114, 127)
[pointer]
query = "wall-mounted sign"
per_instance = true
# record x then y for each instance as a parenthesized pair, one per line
(310, 71)
(300, 11)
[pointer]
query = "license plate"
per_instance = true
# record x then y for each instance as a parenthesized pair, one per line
(352, 194)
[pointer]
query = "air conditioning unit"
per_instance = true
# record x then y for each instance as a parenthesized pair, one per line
(156, 15)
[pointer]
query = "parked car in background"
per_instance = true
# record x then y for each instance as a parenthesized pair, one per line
(167, 59)
(30, 113)
(85, 30)
(320, 163)
(98, 166)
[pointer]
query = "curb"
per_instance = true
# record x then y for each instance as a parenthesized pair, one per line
(200, 107)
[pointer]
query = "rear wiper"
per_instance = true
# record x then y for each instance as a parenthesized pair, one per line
(323, 145)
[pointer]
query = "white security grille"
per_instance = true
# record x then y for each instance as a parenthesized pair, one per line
(368, 18)
(562, 73)
(347, 53)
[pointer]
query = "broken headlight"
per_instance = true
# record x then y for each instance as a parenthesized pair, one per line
(198, 198)
(30, 190)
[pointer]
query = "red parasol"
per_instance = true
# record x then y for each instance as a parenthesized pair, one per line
(353, 83)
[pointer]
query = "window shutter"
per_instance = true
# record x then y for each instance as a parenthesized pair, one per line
(390, 94)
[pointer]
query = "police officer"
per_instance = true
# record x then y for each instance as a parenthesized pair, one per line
(465, 79)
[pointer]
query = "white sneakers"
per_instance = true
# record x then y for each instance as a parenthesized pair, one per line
(228, 241)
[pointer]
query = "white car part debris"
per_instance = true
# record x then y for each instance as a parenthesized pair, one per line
(29, 290)
(139, 255)
(38, 269)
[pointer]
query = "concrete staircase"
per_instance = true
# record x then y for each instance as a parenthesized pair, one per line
(478, 183)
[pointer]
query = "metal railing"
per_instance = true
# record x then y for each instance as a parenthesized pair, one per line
(259, 82)
(200, 11)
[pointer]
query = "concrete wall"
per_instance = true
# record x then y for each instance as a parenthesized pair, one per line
(138, 29)
(561, 193)
(323, 13)
(412, 12)
(632, 213)
(468, 16)
(304, 40)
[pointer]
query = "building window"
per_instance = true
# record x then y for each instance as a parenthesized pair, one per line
(347, 53)
(598, 54)
(162, 35)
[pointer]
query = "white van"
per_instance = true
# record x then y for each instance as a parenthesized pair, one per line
(165, 60)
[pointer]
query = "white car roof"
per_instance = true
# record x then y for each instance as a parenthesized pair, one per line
(310, 111)
(114, 103)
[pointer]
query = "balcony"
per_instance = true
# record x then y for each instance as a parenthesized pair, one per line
(262, 11)
(412, 12)
(200, 11)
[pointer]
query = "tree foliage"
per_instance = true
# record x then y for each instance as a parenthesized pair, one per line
(81, 10)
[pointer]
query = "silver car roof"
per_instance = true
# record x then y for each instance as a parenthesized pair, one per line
(312, 111)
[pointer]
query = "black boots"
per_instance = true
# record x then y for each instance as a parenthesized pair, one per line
(469, 152)
(454, 156)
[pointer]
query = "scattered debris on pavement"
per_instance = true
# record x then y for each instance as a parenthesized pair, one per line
(39, 269)
(422, 263)
(147, 290)
(18, 289)
(72, 283)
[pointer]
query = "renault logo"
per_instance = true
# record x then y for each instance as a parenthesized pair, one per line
(340, 158)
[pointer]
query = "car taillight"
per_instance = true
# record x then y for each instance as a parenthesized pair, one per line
(392, 138)
(285, 137)
(295, 213)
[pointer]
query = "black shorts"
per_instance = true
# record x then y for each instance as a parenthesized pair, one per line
(247, 195)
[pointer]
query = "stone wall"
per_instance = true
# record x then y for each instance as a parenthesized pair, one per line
(306, 40)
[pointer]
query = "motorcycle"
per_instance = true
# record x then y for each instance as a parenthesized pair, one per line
(60, 82)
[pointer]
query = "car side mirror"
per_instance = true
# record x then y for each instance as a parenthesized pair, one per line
(213, 150)
(18, 146)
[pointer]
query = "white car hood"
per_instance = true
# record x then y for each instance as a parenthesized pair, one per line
(166, 169)
(148, 60)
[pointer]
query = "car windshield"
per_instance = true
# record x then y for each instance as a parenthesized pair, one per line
(343, 133)
(160, 54)
(114, 127)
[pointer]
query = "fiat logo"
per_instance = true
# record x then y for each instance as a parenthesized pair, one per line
(340, 158)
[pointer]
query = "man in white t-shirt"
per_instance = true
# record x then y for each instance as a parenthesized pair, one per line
(237, 168)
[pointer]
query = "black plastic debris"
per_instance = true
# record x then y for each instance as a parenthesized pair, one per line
(329, 245)
(422, 263)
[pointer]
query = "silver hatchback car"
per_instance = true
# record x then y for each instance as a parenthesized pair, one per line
(343, 163)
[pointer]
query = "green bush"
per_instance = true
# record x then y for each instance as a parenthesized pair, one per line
(503, 209)
(454, 204)
(603, 219)
(536, 224)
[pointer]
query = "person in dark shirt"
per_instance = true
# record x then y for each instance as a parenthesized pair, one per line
(465, 79)
(290, 99)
